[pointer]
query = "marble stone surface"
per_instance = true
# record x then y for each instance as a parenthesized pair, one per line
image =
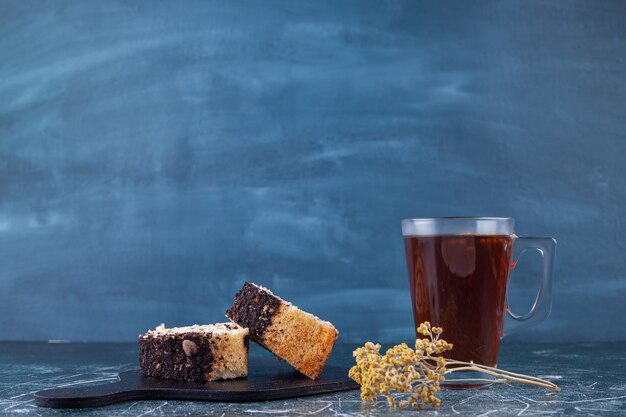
(592, 378)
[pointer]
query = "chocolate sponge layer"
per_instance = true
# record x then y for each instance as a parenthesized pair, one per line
(254, 308)
(164, 357)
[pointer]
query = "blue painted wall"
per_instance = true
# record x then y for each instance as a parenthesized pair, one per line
(153, 156)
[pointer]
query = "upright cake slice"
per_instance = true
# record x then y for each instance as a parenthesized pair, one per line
(301, 339)
(195, 353)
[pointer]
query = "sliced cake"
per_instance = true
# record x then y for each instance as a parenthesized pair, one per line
(301, 339)
(195, 353)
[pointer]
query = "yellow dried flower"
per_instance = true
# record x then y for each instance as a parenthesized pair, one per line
(402, 370)
(417, 372)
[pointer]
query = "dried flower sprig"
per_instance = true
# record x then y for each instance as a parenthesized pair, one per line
(418, 372)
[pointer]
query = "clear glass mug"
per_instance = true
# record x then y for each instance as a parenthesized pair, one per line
(459, 269)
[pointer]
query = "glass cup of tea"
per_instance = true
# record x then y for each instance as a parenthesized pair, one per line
(459, 269)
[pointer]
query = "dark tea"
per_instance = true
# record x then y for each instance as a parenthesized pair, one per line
(459, 283)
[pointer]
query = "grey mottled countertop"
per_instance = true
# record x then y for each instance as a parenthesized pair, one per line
(592, 378)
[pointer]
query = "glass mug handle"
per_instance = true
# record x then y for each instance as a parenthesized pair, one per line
(540, 310)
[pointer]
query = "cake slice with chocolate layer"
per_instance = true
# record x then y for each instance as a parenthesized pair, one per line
(195, 353)
(301, 339)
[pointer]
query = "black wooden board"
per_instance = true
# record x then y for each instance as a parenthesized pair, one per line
(267, 380)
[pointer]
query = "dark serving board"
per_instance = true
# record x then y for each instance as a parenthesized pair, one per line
(267, 380)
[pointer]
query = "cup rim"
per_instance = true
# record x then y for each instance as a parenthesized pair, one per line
(436, 226)
(459, 218)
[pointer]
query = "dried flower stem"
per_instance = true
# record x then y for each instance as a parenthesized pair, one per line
(502, 376)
